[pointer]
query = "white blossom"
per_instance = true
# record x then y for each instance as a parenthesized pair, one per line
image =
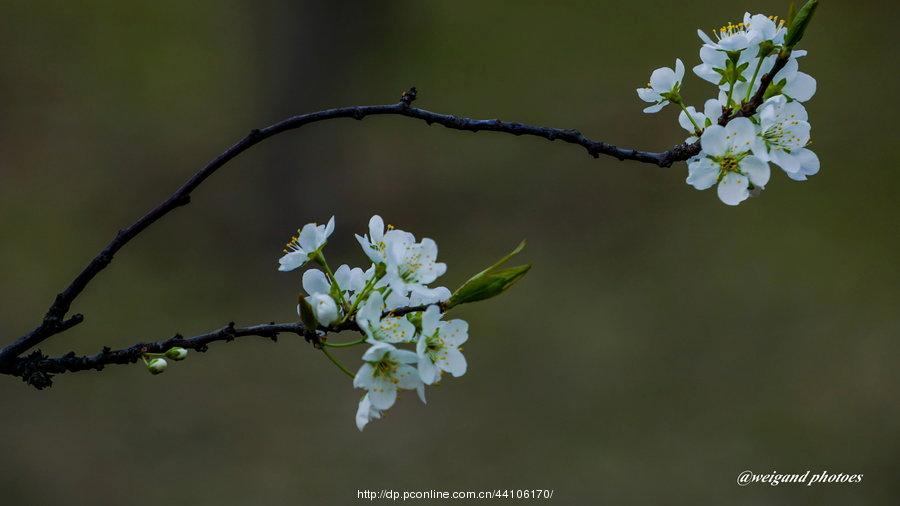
(375, 243)
(385, 370)
(302, 246)
(751, 32)
(765, 28)
(350, 281)
(782, 138)
(712, 109)
(714, 62)
(664, 84)
(438, 346)
(726, 159)
(411, 264)
(318, 287)
(378, 328)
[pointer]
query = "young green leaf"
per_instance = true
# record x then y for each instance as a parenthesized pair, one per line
(490, 282)
(800, 22)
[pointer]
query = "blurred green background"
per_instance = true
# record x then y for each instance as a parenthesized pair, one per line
(662, 344)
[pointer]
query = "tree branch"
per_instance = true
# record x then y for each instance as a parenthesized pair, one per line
(749, 108)
(54, 322)
(37, 369)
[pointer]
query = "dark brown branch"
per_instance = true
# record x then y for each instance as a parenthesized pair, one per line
(54, 321)
(37, 369)
(749, 108)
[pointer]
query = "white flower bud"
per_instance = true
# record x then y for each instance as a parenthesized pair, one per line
(157, 365)
(177, 353)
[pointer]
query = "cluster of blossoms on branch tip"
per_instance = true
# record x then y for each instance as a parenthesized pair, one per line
(392, 305)
(736, 156)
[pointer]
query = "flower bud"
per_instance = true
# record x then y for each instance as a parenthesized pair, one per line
(177, 353)
(324, 307)
(157, 365)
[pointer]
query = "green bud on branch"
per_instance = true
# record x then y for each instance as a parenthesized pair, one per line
(157, 365)
(177, 354)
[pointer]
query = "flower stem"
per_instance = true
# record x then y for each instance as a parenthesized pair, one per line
(753, 79)
(336, 362)
(320, 258)
(344, 345)
(697, 129)
(361, 296)
(730, 92)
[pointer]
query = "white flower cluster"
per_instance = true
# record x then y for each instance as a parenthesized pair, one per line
(735, 156)
(398, 277)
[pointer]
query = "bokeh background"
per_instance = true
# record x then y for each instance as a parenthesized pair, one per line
(662, 344)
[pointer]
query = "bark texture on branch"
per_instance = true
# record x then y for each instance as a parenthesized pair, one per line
(37, 369)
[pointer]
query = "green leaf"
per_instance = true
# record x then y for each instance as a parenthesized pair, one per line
(487, 285)
(490, 282)
(792, 11)
(800, 22)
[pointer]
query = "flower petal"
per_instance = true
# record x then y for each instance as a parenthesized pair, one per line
(382, 394)
(732, 189)
(377, 352)
(801, 88)
(648, 95)
(809, 161)
(430, 318)
(307, 238)
(376, 229)
(703, 173)
(756, 170)
(408, 377)
(453, 362)
(364, 376)
(404, 356)
(713, 141)
(292, 260)
(428, 372)
(662, 79)
(396, 329)
(788, 162)
(656, 108)
(454, 332)
(740, 134)
(315, 281)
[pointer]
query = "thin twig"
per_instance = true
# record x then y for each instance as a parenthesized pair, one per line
(37, 369)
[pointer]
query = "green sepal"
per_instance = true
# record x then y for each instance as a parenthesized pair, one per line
(774, 89)
(307, 316)
(766, 48)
